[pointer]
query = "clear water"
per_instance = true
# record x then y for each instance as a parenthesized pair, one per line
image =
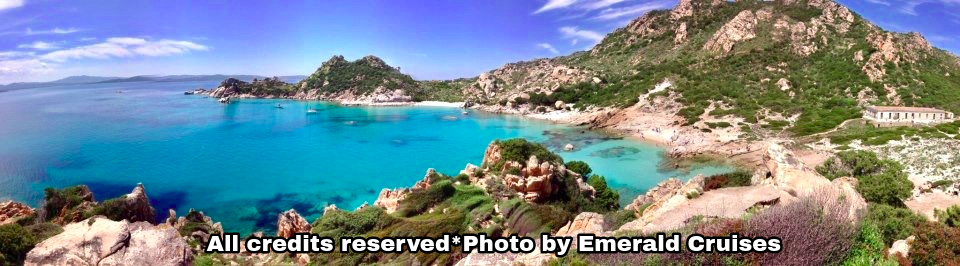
(244, 162)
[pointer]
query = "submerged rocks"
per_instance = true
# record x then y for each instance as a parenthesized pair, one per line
(100, 241)
(11, 210)
(290, 222)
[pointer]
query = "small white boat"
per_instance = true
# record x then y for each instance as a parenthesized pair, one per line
(312, 111)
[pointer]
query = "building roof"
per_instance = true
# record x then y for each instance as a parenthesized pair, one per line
(904, 109)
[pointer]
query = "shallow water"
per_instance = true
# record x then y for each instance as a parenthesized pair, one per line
(244, 162)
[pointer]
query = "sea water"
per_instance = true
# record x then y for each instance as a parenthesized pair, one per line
(244, 162)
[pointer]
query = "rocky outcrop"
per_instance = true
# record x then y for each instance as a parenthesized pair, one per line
(901, 247)
(679, 210)
(195, 225)
(11, 210)
(739, 29)
(389, 199)
(137, 206)
(99, 241)
(290, 222)
(584, 223)
(518, 79)
(787, 173)
(536, 180)
(892, 48)
(660, 192)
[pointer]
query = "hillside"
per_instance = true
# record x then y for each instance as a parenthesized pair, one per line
(801, 65)
(368, 79)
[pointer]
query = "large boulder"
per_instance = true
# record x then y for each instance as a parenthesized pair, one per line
(663, 190)
(11, 210)
(100, 241)
(137, 206)
(290, 222)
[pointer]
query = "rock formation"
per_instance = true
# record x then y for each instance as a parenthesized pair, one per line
(740, 28)
(290, 222)
(99, 241)
(584, 223)
(11, 210)
(389, 199)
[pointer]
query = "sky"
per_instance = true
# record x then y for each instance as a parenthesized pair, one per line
(42, 40)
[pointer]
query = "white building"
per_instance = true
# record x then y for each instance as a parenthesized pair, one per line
(897, 115)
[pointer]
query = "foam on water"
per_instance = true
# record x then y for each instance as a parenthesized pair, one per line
(245, 162)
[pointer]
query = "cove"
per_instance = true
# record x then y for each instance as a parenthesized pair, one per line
(245, 162)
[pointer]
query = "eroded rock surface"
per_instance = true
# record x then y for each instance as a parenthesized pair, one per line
(11, 210)
(99, 241)
(290, 222)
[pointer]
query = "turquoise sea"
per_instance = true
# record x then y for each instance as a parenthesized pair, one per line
(242, 163)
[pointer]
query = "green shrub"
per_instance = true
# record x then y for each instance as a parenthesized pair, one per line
(893, 223)
(419, 201)
(579, 167)
(520, 150)
(880, 181)
(337, 224)
(605, 198)
(869, 248)
(55, 201)
(949, 217)
(15, 242)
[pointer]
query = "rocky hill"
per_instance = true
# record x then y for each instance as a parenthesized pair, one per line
(800, 65)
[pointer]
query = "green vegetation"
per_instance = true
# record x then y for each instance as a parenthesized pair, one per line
(893, 223)
(67, 199)
(949, 217)
(869, 135)
(739, 178)
(879, 181)
(579, 167)
(869, 248)
(519, 150)
(363, 76)
(605, 198)
(17, 241)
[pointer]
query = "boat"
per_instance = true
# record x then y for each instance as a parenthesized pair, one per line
(312, 111)
(188, 93)
(278, 106)
(225, 100)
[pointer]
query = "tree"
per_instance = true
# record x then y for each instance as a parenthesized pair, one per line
(606, 198)
(579, 167)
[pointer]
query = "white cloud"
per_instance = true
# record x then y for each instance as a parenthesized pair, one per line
(39, 45)
(910, 7)
(600, 4)
(631, 11)
(23, 66)
(124, 47)
(879, 2)
(588, 5)
(548, 47)
(555, 4)
(9, 4)
(22, 63)
(14, 54)
(578, 34)
(51, 31)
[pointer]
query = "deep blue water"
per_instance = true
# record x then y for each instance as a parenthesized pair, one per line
(244, 162)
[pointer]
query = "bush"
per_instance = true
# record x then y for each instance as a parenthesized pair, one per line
(418, 202)
(949, 217)
(520, 150)
(67, 199)
(814, 232)
(869, 248)
(337, 224)
(893, 223)
(16, 242)
(733, 179)
(605, 198)
(880, 181)
(579, 167)
(936, 244)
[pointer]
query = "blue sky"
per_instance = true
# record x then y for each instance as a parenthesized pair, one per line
(429, 39)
